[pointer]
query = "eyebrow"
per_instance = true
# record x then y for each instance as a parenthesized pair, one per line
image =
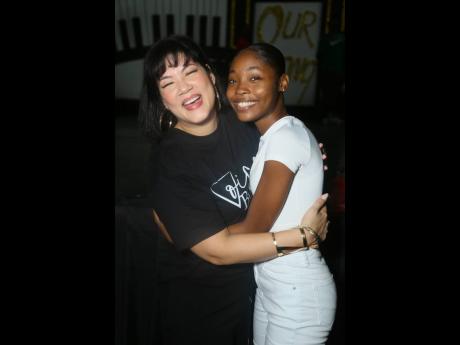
(183, 67)
(246, 69)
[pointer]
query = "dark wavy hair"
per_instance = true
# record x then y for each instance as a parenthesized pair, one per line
(154, 119)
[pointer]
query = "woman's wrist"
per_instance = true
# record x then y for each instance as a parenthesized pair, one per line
(297, 241)
(312, 235)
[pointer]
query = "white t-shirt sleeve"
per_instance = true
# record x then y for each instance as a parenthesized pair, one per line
(290, 146)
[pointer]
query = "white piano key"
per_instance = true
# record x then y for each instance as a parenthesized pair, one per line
(147, 18)
(162, 11)
(176, 11)
(222, 13)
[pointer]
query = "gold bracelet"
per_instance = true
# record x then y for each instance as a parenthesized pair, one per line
(304, 238)
(278, 249)
(281, 251)
(314, 233)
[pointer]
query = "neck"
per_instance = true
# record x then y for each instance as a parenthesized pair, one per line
(199, 129)
(267, 121)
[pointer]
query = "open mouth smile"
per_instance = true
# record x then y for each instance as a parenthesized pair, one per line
(193, 102)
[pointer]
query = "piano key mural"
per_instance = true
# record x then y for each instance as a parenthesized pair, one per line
(139, 23)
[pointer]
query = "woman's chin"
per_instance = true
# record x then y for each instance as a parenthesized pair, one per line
(244, 117)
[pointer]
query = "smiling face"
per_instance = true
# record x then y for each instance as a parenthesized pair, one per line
(188, 92)
(255, 91)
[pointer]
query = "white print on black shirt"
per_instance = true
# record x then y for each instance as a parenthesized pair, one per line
(230, 189)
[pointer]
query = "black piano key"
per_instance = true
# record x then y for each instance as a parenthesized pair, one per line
(169, 24)
(215, 31)
(203, 31)
(124, 34)
(156, 27)
(190, 23)
(137, 32)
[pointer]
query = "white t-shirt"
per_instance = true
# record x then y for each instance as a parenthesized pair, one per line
(288, 141)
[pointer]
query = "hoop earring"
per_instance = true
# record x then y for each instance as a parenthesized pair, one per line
(162, 116)
(218, 98)
(161, 119)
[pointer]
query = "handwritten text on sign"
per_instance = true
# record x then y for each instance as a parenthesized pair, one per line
(294, 28)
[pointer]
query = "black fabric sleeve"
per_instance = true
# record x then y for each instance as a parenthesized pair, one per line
(188, 211)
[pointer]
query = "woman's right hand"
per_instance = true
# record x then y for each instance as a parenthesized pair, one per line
(316, 218)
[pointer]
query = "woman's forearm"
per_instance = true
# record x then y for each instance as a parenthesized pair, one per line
(225, 248)
(268, 199)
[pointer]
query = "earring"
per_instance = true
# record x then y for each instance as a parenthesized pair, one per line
(162, 116)
(218, 98)
(218, 101)
(161, 119)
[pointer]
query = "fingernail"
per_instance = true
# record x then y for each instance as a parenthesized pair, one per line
(324, 196)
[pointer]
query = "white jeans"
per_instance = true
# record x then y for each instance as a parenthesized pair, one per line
(295, 300)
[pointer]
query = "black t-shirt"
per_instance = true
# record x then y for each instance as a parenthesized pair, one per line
(202, 187)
